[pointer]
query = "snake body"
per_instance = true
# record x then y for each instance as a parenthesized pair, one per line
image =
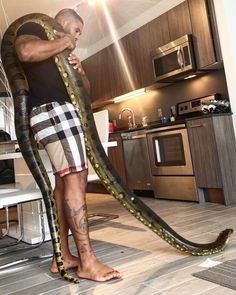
(95, 152)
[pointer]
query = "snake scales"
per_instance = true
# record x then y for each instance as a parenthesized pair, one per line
(94, 149)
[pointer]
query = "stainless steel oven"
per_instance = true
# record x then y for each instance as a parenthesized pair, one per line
(170, 163)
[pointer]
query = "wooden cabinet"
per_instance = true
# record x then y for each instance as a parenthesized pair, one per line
(213, 150)
(98, 68)
(111, 77)
(144, 56)
(179, 21)
(159, 31)
(206, 39)
(116, 156)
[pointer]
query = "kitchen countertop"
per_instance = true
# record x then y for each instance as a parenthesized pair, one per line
(178, 120)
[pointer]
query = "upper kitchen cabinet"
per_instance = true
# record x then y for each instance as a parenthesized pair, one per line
(206, 39)
(129, 68)
(179, 21)
(158, 32)
(111, 76)
(144, 61)
(101, 71)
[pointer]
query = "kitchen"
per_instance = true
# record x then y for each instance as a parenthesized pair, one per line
(163, 97)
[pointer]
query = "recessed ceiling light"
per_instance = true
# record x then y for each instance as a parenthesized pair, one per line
(91, 2)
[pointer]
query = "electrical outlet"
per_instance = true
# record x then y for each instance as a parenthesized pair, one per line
(159, 112)
(173, 109)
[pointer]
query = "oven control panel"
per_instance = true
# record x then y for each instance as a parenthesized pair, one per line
(194, 105)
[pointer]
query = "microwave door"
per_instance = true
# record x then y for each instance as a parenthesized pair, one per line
(173, 62)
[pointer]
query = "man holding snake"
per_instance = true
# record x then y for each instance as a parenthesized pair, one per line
(55, 124)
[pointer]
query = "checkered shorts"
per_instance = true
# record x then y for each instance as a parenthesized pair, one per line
(57, 127)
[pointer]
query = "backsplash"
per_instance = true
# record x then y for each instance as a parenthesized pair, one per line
(148, 104)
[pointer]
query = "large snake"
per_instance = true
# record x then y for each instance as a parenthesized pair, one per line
(95, 152)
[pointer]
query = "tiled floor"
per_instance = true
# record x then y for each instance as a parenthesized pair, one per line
(148, 264)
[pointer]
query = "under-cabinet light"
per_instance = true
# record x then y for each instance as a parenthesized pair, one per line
(130, 95)
(190, 77)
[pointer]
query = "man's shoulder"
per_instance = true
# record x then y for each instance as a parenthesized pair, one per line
(31, 28)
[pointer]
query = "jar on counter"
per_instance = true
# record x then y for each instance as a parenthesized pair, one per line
(111, 127)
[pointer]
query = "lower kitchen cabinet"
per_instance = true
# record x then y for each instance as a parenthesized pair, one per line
(213, 150)
(116, 156)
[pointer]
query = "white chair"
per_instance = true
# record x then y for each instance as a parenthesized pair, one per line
(28, 192)
(101, 119)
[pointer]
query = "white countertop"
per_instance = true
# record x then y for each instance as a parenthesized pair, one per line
(19, 155)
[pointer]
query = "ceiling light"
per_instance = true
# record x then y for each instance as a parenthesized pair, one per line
(91, 2)
(130, 95)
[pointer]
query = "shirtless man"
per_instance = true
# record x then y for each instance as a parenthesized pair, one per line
(56, 126)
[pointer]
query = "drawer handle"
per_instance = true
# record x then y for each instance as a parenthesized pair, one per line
(197, 126)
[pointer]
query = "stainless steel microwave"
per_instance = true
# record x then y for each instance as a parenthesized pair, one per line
(174, 60)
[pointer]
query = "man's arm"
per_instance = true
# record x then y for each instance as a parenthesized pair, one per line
(30, 48)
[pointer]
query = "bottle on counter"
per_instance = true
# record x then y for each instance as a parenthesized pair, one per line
(111, 127)
(144, 121)
(172, 116)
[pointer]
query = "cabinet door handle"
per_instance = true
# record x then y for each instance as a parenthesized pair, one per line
(197, 126)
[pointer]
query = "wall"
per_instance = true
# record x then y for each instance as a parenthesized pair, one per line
(147, 105)
(225, 15)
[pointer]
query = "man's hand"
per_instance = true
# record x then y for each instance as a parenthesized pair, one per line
(74, 60)
(70, 41)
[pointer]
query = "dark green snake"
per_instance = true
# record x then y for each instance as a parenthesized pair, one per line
(95, 152)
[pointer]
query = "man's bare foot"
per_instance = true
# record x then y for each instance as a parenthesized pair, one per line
(69, 262)
(97, 271)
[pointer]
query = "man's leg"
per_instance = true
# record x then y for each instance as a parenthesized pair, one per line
(70, 261)
(76, 212)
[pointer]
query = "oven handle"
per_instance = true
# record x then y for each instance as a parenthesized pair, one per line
(167, 128)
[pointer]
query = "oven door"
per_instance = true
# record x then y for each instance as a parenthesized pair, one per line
(169, 152)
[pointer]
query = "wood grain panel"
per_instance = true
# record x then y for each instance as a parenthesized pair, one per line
(144, 59)
(204, 153)
(226, 147)
(203, 44)
(159, 31)
(179, 21)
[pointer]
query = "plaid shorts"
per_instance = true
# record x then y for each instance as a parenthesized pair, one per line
(57, 127)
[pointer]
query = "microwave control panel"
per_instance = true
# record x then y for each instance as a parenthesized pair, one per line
(194, 105)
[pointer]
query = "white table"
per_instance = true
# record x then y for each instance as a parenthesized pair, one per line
(25, 183)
